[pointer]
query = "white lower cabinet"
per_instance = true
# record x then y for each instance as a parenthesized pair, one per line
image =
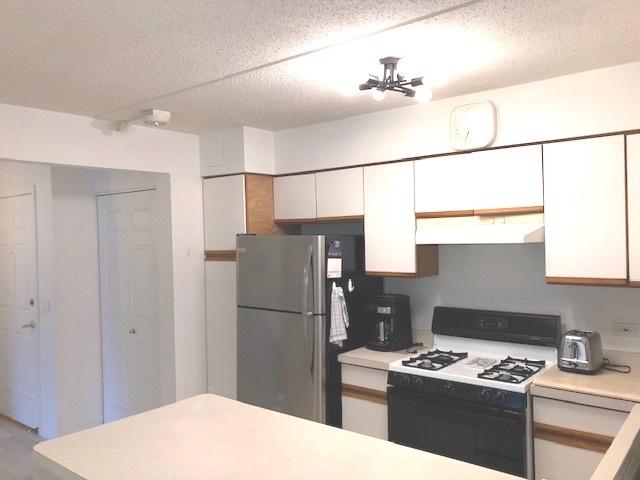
(221, 327)
(364, 401)
(570, 439)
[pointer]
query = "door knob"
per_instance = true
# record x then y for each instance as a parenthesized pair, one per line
(132, 331)
(31, 324)
(31, 302)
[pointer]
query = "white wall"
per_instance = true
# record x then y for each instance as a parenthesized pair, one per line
(47, 137)
(512, 278)
(598, 101)
(77, 300)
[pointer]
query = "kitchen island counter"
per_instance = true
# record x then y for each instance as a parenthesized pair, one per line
(211, 437)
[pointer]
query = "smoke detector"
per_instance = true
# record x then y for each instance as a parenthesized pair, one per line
(155, 118)
(151, 117)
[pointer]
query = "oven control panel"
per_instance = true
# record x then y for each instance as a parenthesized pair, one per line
(493, 397)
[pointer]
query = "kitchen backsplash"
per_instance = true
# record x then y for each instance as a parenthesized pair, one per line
(511, 278)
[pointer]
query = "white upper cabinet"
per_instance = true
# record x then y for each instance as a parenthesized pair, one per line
(340, 194)
(585, 214)
(294, 197)
(509, 178)
(224, 211)
(633, 202)
(389, 219)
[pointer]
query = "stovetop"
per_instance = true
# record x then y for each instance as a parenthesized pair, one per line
(484, 363)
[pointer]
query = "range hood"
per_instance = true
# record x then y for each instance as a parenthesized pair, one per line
(527, 228)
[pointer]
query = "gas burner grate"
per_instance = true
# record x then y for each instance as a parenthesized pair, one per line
(513, 370)
(434, 359)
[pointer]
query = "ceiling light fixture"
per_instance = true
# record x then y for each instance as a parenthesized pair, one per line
(393, 81)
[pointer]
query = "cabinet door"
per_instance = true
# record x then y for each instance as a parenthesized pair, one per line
(633, 205)
(445, 185)
(365, 417)
(570, 439)
(339, 194)
(585, 213)
(389, 219)
(508, 178)
(502, 179)
(294, 197)
(221, 327)
(224, 211)
(364, 405)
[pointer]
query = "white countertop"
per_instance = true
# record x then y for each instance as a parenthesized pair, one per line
(363, 357)
(603, 383)
(211, 437)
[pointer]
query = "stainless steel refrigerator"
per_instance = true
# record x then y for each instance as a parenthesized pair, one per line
(285, 362)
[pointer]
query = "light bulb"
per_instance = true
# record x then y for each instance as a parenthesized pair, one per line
(378, 95)
(423, 94)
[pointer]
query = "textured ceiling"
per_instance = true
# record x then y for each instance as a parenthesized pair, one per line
(277, 64)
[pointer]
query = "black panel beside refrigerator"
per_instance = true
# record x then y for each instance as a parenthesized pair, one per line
(364, 293)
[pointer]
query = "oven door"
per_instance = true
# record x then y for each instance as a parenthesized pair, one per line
(470, 432)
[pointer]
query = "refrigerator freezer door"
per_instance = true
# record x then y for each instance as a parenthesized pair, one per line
(282, 272)
(280, 362)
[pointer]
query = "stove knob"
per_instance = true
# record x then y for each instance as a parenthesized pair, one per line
(499, 398)
(418, 382)
(449, 388)
(485, 395)
(405, 380)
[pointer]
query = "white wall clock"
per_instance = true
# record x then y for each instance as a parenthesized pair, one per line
(472, 126)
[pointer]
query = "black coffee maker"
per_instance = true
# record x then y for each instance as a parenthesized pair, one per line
(389, 323)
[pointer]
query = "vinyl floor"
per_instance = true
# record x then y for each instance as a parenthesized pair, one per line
(17, 459)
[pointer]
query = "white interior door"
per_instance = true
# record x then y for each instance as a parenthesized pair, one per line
(19, 372)
(129, 303)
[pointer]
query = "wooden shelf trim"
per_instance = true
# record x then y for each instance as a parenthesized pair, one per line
(391, 274)
(634, 283)
(293, 221)
(572, 438)
(447, 214)
(598, 282)
(346, 218)
(482, 213)
(362, 393)
(220, 255)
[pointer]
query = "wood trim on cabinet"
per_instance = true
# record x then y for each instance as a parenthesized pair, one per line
(482, 212)
(602, 282)
(427, 260)
(220, 255)
(345, 218)
(390, 274)
(362, 393)
(634, 283)
(293, 221)
(447, 214)
(573, 438)
(509, 211)
(258, 190)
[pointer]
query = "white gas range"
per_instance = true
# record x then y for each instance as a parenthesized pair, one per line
(491, 364)
(467, 397)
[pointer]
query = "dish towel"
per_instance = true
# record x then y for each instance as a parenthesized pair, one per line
(339, 316)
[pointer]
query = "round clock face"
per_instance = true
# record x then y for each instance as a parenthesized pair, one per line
(472, 126)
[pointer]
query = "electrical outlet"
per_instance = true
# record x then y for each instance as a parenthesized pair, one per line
(625, 329)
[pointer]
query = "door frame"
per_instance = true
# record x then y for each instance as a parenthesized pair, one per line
(20, 192)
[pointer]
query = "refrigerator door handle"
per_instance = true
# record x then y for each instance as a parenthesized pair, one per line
(306, 312)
